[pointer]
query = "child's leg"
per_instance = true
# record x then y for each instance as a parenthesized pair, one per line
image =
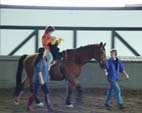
(49, 56)
(54, 50)
(110, 94)
(117, 92)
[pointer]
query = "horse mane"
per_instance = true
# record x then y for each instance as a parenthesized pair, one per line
(85, 47)
(88, 46)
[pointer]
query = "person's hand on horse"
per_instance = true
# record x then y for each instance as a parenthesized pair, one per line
(106, 72)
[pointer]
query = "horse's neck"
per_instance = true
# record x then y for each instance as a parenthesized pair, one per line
(84, 54)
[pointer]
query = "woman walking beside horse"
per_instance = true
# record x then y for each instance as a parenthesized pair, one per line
(40, 79)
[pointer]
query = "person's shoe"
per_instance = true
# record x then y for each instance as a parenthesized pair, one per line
(108, 107)
(16, 102)
(69, 105)
(40, 104)
(30, 108)
(121, 106)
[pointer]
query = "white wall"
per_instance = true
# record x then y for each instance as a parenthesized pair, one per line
(9, 39)
(91, 77)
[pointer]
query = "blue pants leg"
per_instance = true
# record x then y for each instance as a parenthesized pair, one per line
(114, 90)
(117, 92)
(36, 88)
(32, 89)
(109, 96)
(46, 96)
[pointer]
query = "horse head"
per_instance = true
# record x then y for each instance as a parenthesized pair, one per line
(100, 55)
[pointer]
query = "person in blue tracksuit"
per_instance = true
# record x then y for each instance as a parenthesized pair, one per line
(40, 79)
(114, 67)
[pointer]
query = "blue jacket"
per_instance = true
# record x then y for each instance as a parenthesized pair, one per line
(113, 73)
(41, 66)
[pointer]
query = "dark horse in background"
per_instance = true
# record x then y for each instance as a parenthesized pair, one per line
(69, 69)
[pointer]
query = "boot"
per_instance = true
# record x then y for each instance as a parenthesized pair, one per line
(38, 102)
(121, 106)
(30, 102)
(47, 101)
(108, 106)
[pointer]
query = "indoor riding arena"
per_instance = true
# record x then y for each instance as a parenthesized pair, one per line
(93, 35)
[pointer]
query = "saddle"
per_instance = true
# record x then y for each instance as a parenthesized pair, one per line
(59, 63)
(63, 55)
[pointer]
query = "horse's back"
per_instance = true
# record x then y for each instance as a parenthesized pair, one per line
(28, 65)
(29, 59)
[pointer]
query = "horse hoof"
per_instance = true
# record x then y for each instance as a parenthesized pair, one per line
(40, 104)
(70, 106)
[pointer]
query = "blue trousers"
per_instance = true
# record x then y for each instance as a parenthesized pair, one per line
(114, 90)
(36, 89)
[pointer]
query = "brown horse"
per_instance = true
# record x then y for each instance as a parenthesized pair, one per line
(69, 68)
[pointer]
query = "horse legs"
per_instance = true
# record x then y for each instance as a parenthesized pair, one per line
(18, 93)
(19, 90)
(69, 92)
(79, 94)
(74, 83)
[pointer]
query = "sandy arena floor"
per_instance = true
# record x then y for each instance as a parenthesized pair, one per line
(93, 102)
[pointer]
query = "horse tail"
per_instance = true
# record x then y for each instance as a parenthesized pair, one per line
(19, 84)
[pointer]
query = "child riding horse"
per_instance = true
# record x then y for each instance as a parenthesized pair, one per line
(50, 43)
